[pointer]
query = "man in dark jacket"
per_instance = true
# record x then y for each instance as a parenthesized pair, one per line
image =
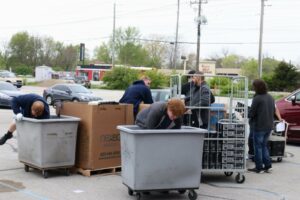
(187, 87)
(137, 93)
(200, 97)
(162, 115)
(28, 105)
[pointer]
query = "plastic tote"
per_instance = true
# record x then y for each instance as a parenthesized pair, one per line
(47, 143)
(168, 159)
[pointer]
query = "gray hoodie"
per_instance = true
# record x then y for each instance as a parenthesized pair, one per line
(155, 116)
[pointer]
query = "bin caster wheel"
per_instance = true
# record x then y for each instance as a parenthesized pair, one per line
(240, 178)
(26, 168)
(279, 159)
(228, 173)
(130, 192)
(45, 173)
(181, 191)
(138, 196)
(67, 172)
(192, 195)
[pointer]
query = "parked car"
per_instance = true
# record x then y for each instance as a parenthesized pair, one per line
(70, 92)
(83, 80)
(7, 92)
(160, 94)
(11, 78)
(289, 108)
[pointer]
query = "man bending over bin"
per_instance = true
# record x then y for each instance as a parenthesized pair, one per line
(28, 105)
(162, 115)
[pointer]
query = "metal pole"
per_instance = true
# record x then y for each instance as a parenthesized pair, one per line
(176, 37)
(113, 42)
(198, 35)
(261, 38)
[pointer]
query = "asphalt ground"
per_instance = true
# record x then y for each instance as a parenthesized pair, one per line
(16, 184)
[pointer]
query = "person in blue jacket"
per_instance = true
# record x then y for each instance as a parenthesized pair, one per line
(28, 105)
(137, 93)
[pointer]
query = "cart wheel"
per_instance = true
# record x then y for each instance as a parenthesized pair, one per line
(130, 192)
(279, 159)
(26, 168)
(240, 178)
(67, 172)
(138, 196)
(228, 173)
(192, 195)
(181, 191)
(45, 173)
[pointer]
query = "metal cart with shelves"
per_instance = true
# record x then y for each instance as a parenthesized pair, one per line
(277, 142)
(224, 148)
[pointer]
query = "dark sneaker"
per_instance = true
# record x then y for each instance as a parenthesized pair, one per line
(268, 169)
(259, 171)
(5, 137)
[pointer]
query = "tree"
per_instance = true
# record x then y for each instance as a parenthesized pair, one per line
(269, 65)
(156, 51)
(19, 49)
(103, 53)
(250, 69)
(232, 61)
(285, 77)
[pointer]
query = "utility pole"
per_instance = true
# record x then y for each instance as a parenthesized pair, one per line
(198, 35)
(176, 37)
(199, 22)
(113, 42)
(260, 59)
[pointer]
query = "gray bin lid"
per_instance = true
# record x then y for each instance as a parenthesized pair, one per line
(134, 129)
(53, 118)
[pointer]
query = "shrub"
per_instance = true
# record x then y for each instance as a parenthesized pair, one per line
(120, 77)
(158, 79)
(23, 70)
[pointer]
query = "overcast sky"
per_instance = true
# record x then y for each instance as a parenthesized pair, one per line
(233, 25)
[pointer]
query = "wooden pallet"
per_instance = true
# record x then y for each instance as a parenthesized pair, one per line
(103, 171)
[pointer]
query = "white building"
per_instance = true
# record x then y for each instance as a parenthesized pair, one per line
(43, 73)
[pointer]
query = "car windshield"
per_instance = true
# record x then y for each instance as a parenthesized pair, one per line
(7, 86)
(78, 89)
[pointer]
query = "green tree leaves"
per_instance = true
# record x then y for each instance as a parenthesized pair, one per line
(31, 51)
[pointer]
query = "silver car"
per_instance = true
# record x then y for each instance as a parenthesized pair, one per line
(68, 92)
(7, 92)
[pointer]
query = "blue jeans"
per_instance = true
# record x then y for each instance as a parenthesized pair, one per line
(261, 151)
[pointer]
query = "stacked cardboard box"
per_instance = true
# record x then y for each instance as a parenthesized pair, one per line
(98, 143)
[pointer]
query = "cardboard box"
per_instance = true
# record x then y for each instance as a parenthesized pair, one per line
(98, 141)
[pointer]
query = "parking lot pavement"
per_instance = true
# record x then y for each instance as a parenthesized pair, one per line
(16, 184)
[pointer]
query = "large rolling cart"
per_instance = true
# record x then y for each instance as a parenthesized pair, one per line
(160, 160)
(224, 149)
(47, 144)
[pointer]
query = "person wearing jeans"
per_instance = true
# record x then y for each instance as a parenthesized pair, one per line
(261, 115)
(261, 152)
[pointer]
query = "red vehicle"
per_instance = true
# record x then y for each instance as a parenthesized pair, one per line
(289, 108)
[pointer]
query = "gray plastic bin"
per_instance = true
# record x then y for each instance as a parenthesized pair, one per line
(169, 159)
(47, 143)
